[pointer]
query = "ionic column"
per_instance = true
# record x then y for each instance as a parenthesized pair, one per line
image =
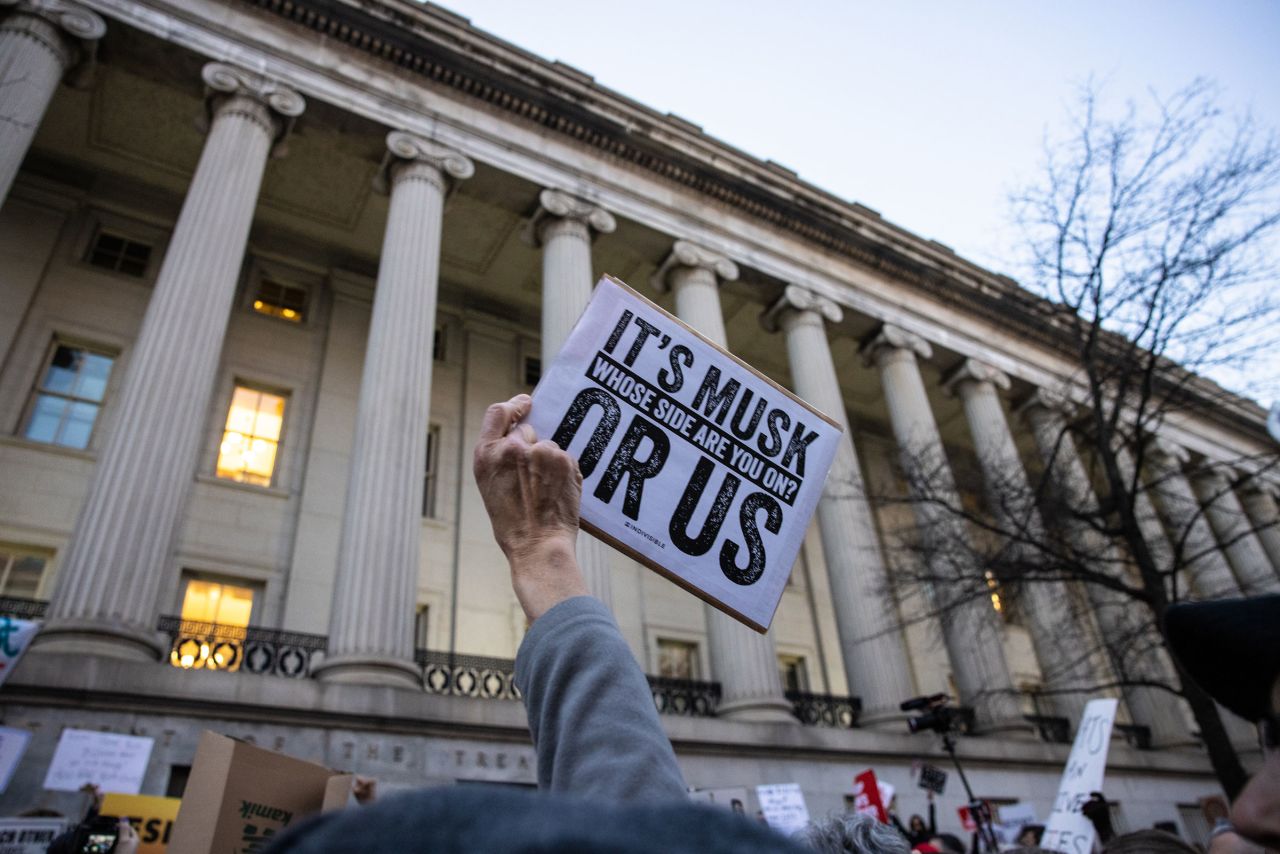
(1260, 505)
(1060, 636)
(871, 644)
(1206, 565)
(40, 41)
(1235, 532)
(974, 645)
(744, 661)
(563, 226)
(105, 600)
(371, 625)
(1135, 649)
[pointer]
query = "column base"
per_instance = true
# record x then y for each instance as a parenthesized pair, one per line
(353, 669)
(762, 710)
(99, 637)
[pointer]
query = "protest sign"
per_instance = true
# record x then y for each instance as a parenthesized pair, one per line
(29, 835)
(1020, 813)
(113, 763)
(152, 817)
(1068, 830)
(693, 463)
(867, 796)
(933, 778)
(13, 743)
(783, 807)
(15, 637)
(733, 798)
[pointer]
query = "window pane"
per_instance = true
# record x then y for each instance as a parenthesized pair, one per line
(250, 441)
(94, 373)
(676, 660)
(270, 416)
(261, 459)
(24, 577)
(211, 602)
(78, 426)
(46, 415)
(244, 409)
(61, 376)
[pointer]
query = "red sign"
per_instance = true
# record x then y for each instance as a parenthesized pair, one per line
(866, 796)
(966, 819)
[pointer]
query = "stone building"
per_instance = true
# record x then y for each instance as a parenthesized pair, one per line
(263, 265)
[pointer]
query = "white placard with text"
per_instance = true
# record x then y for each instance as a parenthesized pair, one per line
(1068, 830)
(113, 763)
(783, 807)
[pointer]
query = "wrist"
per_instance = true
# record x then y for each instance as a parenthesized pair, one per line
(544, 574)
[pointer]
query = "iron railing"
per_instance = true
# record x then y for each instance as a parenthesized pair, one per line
(687, 697)
(22, 609)
(460, 675)
(211, 646)
(1051, 728)
(825, 709)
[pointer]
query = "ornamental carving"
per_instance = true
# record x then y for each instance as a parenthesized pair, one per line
(283, 104)
(556, 205)
(973, 371)
(74, 19)
(799, 299)
(889, 338)
(1163, 452)
(686, 254)
(79, 27)
(404, 148)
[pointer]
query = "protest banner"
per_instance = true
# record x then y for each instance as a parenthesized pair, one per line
(29, 835)
(151, 816)
(933, 778)
(13, 743)
(112, 762)
(15, 637)
(867, 797)
(1068, 830)
(732, 798)
(783, 807)
(693, 463)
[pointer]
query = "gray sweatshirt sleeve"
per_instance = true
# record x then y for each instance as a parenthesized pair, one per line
(591, 713)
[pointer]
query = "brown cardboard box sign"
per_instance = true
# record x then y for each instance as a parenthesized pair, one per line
(239, 797)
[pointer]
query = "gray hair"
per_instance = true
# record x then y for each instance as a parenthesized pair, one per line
(853, 834)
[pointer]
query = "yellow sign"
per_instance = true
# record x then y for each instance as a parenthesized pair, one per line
(151, 816)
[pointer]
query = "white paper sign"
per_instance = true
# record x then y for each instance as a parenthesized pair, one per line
(13, 743)
(30, 835)
(1067, 829)
(692, 463)
(783, 807)
(15, 637)
(1020, 813)
(733, 798)
(113, 763)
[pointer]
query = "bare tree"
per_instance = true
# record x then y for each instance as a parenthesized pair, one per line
(1149, 266)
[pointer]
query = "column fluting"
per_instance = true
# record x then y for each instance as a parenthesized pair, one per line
(1235, 533)
(1260, 505)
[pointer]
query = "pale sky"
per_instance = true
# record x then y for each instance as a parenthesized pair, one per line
(930, 112)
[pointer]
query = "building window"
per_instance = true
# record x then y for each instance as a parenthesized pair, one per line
(218, 644)
(21, 572)
(439, 344)
(119, 254)
(251, 438)
(795, 675)
(66, 402)
(286, 302)
(429, 477)
(677, 659)
(420, 626)
(1003, 600)
(532, 370)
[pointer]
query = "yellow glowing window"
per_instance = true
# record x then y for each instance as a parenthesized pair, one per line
(994, 587)
(219, 646)
(252, 436)
(282, 301)
(211, 602)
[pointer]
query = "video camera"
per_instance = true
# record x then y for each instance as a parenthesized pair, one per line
(938, 716)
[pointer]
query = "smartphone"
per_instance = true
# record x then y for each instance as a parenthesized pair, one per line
(99, 843)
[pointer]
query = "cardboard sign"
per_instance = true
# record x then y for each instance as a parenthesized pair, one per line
(867, 797)
(734, 798)
(783, 807)
(152, 817)
(693, 463)
(13, 743)
(30, 835)
(113, 763)
(239, 797)
(932, 778)
(15, 637)
(1067, 829)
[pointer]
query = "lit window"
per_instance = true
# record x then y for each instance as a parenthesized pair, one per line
(994, 587)
(222, 604)
(430, 476)
(283, 301)
(120, 254)
(677, 659)
(252, 436)
(21, 572)
(66, 402)
(214, 617)
(795, 675)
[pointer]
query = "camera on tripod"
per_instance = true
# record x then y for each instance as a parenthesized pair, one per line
(938, 716)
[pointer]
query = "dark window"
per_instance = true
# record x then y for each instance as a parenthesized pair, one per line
(66, 401)
(278, 300)
(178, 775)
(113, 252)
(438, 344)
(429, 477)
(532, 370)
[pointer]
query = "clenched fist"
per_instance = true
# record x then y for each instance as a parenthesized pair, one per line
(531, 491)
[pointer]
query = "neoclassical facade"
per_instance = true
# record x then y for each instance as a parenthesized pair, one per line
(263, 265)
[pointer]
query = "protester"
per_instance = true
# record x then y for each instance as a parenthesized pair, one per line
(1147, 842)
(1232, 649)
(1098, 811)
(608, 774)
(916, 830)
(854, 833)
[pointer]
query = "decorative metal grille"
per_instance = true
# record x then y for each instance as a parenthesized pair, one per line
(467, 675)
(1052, 729)
(22, 609)
(825, 709)
(210, 646)
(688, 697)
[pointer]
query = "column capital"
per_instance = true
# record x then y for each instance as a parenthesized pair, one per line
(229, 87)
(687, 254)
(1164, 452)
(794, 300)
(412, 156)
(1044, 400)
(974, 371)
(80, 27)
(557, 205)
(889, 338)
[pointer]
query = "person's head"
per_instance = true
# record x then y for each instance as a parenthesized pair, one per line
(853, 834)
(1029, 836)
(1147, 842)
(949, 843)
(917, 824)
(1232, 650)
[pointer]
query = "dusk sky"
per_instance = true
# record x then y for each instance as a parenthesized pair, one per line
(929, 112)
